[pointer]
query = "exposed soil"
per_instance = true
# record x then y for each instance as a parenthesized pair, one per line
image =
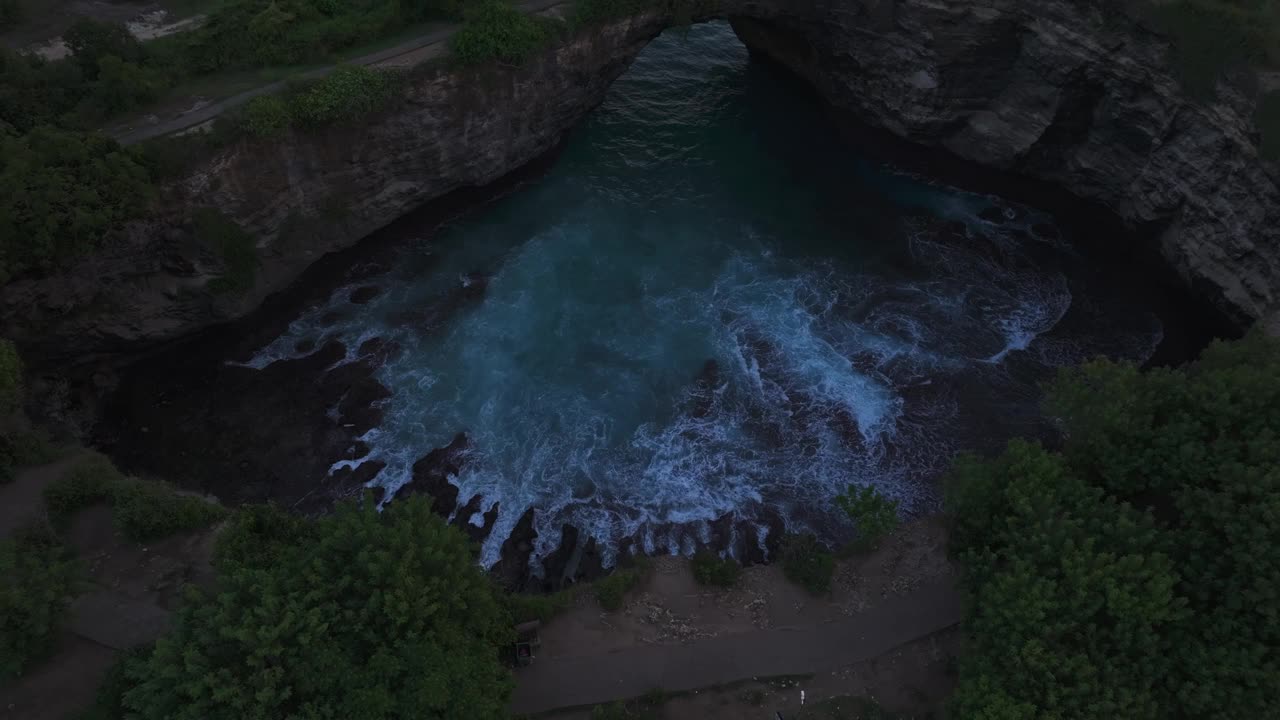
(129, 593)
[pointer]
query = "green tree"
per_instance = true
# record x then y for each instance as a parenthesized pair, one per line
(10, 377)
(90, 41)
(360, 614)
(1135, 573)
(873, 514)
(39, 579)
(62, 193)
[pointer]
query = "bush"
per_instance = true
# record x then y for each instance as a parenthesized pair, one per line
(611, 590)
(873, 515)
(373, 615)
(61, 194)
(89, 482)
(711, 569)
(347, 94)
(1267, 118)
(1210, 36)
(10, 378)
(108, 703)
(807, 563)
(90, 41)
(23, 448)
(12, 14)
(497, 30)
(146, 510)
(238, 252)
(266, 116)
(1134, 574)
(525, 607)
(39, 579)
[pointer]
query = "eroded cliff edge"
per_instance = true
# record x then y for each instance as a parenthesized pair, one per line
(1068, 92)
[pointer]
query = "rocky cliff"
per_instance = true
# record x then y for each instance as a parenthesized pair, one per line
(1068, 92)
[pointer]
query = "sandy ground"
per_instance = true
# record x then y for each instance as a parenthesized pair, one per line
(48, 19)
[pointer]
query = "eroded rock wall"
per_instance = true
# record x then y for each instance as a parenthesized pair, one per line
(1069, 92)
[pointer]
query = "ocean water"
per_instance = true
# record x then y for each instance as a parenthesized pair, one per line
(712, 306)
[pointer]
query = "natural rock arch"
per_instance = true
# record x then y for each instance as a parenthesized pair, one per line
(1074, 96)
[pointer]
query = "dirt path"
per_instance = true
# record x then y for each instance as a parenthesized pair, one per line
(557, 682)
(200, 114)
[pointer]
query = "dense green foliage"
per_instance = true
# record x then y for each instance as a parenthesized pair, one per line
(525, 607)
(12, 13)
(711, 569)
(347, 94)
(20, 448)
(1136, 573)
(873, 514)
(497, 30)
(359, 614)
(39, 579)
(235, 246)
(10, 377)
(1210, 36)
(60, 194)
(611, 590)
(807, 563)
(84, 484)
(1268, 121)
(143, 510)
(108, 704)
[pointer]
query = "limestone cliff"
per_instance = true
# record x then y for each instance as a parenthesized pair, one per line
(1068, 92)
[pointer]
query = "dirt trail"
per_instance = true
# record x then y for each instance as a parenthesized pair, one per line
(557, 682)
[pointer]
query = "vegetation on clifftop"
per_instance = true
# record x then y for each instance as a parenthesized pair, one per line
(358, 614)
(39, 579)
(1135, 573)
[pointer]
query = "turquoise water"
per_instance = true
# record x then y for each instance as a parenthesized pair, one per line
(706, 222)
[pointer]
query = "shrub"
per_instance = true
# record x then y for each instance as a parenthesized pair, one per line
(61, 194)
(373, 615)
(146, 510)
(1210, 36)
(1267, 118)
(711, 569)
(12, 14)
(525, 607)
(90, 41)
(108, 703)
(259, 536)
(348, 93)
(1133, 574)
(266, 116)
(807, 563)
(39, 579)
(89, 482)
(497, 30)
(873, 514)
(611, 590)
(10, 378)
(235, 246)
(22, 448)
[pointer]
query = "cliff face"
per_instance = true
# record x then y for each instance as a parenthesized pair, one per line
(1056, 90)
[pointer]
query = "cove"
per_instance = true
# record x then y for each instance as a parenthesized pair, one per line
(708, 318)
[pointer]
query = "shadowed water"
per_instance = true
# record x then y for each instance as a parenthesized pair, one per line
(712, 307)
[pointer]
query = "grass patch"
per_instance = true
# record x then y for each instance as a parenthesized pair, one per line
(611, 591)
(40, 577)
(233, 244)
(23, 449)
(807, 563)
(143, 510)
(711, 569)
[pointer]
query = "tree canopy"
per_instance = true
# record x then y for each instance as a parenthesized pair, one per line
(357, 615)
(1135, 573)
